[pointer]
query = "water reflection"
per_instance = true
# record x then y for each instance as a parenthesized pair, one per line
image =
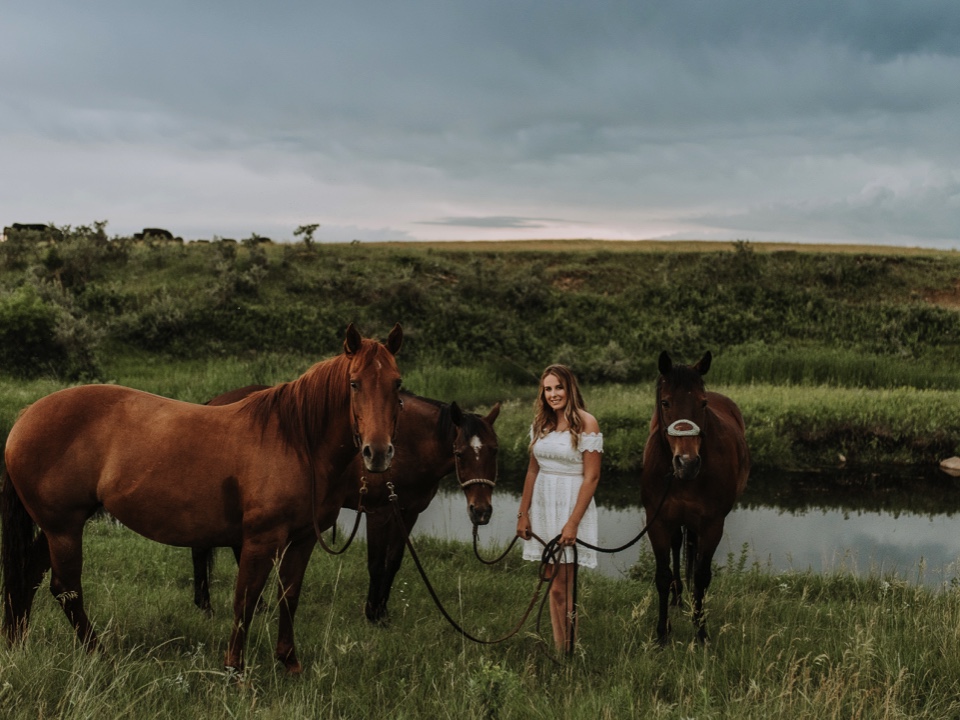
(886, 521)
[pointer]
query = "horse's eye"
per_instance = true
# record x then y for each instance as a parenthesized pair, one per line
(664, 404)
(704, 404)
(401, 403)
(354, 385)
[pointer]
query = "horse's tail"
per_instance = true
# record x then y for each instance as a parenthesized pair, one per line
(16, 544)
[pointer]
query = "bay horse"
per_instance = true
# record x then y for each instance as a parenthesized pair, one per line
(434, 439)
(264, 473)
(695, 467)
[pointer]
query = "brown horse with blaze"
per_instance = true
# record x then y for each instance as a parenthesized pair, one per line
(264, 473)
(695, 467)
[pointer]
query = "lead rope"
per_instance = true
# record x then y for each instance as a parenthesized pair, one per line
(550, 554)
(356, 524)
(436, 600)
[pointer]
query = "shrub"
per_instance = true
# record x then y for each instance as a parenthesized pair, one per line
(40, 335)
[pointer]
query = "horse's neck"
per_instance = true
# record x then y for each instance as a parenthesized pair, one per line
(334, 445)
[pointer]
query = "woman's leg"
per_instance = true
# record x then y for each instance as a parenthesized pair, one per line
(562, 611)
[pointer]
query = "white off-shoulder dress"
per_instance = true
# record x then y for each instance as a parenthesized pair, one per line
(555, 494)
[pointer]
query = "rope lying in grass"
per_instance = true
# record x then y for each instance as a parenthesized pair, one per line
(552, 553)
(436, 599)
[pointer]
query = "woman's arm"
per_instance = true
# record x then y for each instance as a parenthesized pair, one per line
(523, 514)
(591, 478)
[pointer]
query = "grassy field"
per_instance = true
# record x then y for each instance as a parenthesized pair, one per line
(788, 425)
(651, 246)
(795, 645)
(835, 354)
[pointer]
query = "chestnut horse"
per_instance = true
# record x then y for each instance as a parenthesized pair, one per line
(264, 473)
(434, 439)
(695, 466)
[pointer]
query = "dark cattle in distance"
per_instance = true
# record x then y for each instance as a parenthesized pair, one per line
(156, 234)
(48, 231)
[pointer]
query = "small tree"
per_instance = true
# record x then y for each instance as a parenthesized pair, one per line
(307, 232)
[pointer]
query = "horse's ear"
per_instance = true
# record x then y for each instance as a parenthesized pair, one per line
(395, 340)
(492, 415)
(704, 363)
(665, 364)
(456, 414)
(353, 340)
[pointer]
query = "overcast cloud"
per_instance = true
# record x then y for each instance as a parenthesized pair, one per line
(820, 121)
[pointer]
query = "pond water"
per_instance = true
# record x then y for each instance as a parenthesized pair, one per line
(890, 521)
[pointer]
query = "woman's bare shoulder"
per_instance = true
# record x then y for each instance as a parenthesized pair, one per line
(590, 424)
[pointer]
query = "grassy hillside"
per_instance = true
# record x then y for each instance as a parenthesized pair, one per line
(518, 306)
(867, 327)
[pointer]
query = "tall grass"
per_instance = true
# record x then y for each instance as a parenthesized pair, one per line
(795, 645)
(788, 426)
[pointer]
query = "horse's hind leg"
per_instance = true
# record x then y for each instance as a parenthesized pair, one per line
(38, 562)
(66, 565)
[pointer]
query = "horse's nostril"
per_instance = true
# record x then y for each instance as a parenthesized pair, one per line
(367, 452)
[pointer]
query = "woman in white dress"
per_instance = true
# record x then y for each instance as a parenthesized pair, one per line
(564, 469)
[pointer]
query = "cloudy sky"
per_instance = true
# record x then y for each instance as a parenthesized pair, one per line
(813, 121)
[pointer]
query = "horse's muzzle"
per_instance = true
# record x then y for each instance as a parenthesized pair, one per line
(686, 467)
(377, 460)
(480, 515)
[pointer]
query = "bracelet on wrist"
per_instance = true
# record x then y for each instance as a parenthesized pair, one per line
(520, 514)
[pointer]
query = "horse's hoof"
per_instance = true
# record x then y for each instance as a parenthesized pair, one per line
(378, 616)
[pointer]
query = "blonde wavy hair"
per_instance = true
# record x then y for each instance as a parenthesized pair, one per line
(544, 417)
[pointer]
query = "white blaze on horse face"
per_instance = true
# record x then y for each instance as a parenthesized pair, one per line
(476, 444)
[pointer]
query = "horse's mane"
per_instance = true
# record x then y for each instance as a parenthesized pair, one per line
(445, 427)
(471, 424)
(304, 406)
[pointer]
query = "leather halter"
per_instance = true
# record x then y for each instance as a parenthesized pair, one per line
(678, 428)
(464, 484)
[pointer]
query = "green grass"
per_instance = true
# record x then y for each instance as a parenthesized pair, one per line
(788, 426)
(795, 645)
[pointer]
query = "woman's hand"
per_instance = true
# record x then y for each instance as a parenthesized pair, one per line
(523, 526)
(568, 536)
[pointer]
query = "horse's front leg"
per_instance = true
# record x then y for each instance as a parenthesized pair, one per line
(660, 539)
(293, 566)
(379, 526)
(707, 543)
(676, 585)
(386, 541)
(257, 559)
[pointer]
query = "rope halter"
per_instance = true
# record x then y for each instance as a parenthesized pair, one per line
(683, 428)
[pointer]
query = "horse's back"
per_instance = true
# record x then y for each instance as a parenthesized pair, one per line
(141, 456)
